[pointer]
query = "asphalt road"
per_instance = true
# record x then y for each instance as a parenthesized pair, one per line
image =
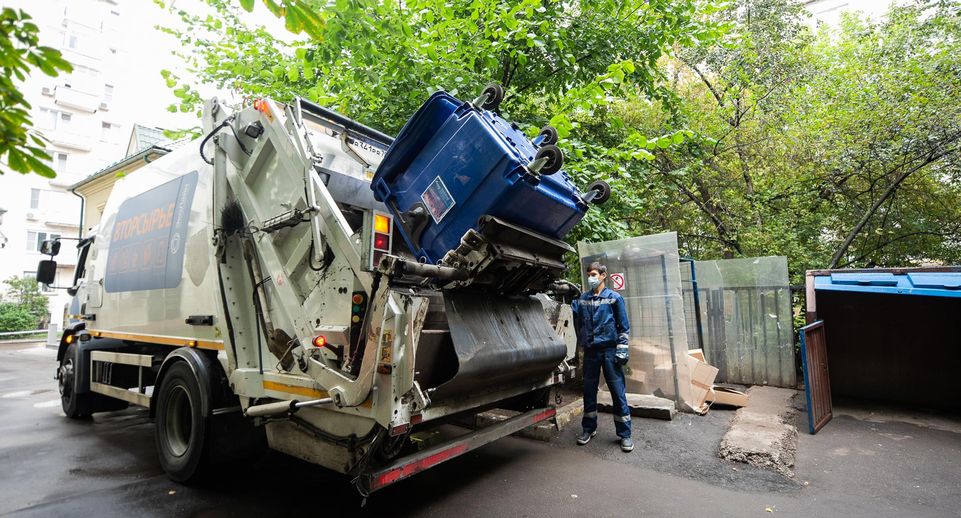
(859, 465)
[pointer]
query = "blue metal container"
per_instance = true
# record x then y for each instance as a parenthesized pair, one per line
(453, 163)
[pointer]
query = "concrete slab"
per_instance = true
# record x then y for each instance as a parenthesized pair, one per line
(641, 405)
(762, 433)
(569, 413)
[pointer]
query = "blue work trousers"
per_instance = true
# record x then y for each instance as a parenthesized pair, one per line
(594, 360)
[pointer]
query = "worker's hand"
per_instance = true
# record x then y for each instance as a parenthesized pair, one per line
(620, 357)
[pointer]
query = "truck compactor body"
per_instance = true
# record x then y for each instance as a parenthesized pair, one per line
(249, 289)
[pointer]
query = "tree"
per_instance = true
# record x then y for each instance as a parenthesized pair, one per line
(835, 149)
(568, 64)
(23, 306)
(21, 147)
(731, 123)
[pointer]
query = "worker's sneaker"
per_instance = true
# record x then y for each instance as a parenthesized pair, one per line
(627, 444)
(585, 437)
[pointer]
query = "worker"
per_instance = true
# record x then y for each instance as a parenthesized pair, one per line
(600, 317)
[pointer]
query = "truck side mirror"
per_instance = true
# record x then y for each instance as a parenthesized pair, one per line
(50, 247)
(47, 271)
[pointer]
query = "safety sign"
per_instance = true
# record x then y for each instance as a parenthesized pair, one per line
(617, 281)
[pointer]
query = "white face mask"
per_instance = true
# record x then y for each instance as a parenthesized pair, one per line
(593, 282)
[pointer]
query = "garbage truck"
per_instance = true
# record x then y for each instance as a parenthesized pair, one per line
(300, 281)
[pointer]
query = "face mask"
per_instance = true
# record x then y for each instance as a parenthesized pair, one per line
(593, 282)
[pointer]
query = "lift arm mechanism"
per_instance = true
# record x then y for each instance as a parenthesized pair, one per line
(265, 166)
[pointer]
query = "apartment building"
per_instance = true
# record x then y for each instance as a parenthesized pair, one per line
(86, 116)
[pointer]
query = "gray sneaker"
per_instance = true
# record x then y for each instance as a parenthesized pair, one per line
(627, 444)
(585, 437)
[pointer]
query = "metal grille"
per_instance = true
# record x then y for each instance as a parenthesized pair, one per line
(817, 383)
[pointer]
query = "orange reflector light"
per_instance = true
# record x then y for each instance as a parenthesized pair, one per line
(68, 339)
(381, 224)
(192, 343)
(320, 341)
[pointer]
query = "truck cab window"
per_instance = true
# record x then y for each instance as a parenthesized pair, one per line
(84, 248)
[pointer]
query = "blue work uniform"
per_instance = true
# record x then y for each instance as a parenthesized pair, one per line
(602, 328)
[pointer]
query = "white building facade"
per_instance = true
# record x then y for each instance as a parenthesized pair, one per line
(86, 116)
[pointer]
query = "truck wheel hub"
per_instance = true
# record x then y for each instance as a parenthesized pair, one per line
(179, 421)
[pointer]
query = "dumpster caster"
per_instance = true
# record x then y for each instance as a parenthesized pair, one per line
(598, 192)
(490, 98)
(546, 137)
(548, 160)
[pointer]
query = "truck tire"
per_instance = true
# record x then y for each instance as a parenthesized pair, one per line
(182, 427)
(75, 405)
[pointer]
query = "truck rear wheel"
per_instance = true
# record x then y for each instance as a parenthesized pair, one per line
(182, 428)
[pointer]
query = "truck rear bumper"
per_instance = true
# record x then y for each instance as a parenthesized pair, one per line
(404, 467)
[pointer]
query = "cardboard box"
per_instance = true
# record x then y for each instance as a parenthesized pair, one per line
(727, 396)
(702, 380)
(697, 353)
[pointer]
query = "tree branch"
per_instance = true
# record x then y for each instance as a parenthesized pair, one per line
(932, 156)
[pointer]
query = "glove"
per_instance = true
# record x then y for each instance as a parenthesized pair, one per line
(620, 357)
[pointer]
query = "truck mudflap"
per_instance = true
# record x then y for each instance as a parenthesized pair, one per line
(498, 341)
(404, 467)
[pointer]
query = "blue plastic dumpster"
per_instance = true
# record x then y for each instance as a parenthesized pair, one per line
(453, 163)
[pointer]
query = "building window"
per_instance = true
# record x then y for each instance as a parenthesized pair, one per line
(34, 199)
(35, 239)
(71, 41)
(107, 93)
(57, 161)
(50, 119)
(47, 119)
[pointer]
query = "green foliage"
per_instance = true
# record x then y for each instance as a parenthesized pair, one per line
(728, 122)
(834, 149)
(21, 147)
(23, 305)
(15, 318)
(568, 64)
(377, 61)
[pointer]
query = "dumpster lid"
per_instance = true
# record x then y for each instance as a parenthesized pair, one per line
(864, 279)
(948, 281)
(930, 284)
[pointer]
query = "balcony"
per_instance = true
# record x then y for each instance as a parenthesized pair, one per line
(76, 99)
(69, 139)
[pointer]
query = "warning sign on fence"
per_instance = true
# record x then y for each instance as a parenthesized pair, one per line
(617, 281)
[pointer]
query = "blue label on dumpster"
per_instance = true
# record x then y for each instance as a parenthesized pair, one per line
(148, 239)
(437, 199)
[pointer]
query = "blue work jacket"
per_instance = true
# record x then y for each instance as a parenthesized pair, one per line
(601, 320)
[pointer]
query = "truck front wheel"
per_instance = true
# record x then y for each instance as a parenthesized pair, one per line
(74, 405)
(182, 428)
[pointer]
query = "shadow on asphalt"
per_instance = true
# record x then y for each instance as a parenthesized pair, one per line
(118, 452)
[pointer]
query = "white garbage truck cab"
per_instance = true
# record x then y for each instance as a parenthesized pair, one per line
(248, 289)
